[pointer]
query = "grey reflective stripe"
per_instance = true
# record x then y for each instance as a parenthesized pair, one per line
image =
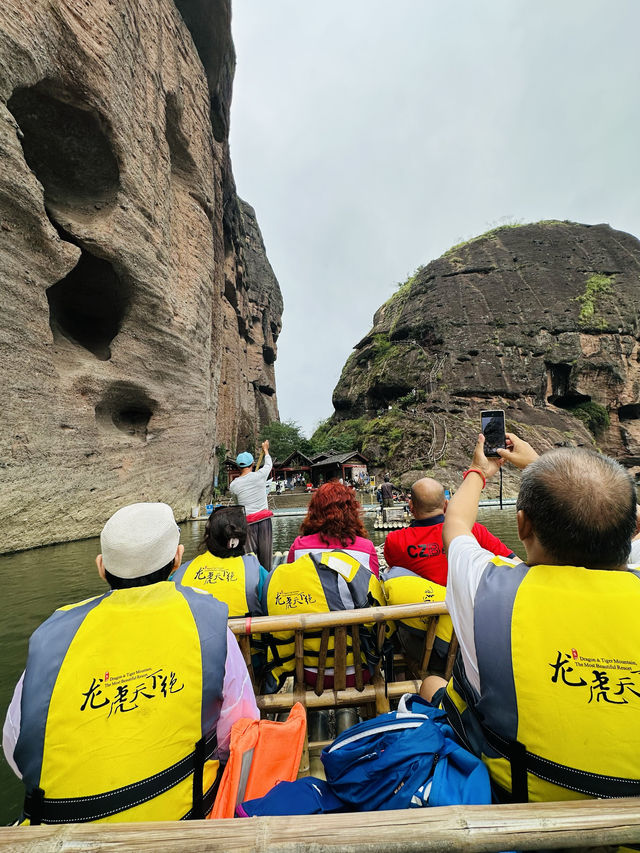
(265, 589)
(359, 587)
(251, 581)
(177, 576)
(492, 614)
(335, 592)
(48, 647)
(635, 572)
(398, 572)
(329, 580)
(210, 616)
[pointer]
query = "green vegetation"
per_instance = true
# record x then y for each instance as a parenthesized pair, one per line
(596, 286)
(285, 437)
(403, 287)
(385, 431)
(381, 346)
(593, 415)
(493, 231)
(412, 398)
(342, 436)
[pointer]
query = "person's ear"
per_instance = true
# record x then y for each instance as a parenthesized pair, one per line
(178, 558)
(525, 528)
(101, 568)
(445, 504)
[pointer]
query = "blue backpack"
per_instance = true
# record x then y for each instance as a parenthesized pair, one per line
(404, 759)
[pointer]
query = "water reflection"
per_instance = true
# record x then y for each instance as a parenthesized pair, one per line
(35, 583)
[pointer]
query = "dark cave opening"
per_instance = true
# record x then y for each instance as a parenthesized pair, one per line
(65, 145)
(89, 304)
(128, 408)
(630, 412)
(563, 394)
(182, 162)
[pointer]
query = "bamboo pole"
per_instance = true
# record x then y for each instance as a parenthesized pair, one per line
(270, 702)
(430, 638)
(340, 658)
(451, 656)
(322, 662)
(317, 621)
(357, 656)
(473, 829)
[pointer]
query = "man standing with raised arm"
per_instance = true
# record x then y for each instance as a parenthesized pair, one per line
(250, 491)
(547, 684)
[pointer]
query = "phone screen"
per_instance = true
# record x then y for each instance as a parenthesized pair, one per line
(493, 431)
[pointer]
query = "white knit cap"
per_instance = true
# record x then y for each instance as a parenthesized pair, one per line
(139, 539)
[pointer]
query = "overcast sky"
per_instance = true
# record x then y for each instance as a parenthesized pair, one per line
(372, 135)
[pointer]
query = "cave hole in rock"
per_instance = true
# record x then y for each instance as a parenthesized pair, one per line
(563, 394)
(182, 162)
(89, 304)
(66, 145)
(630, 412)
(128, 408)
(268, 354)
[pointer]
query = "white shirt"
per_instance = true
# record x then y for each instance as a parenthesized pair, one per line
(250, 490)
(467, 563)
(237, 701)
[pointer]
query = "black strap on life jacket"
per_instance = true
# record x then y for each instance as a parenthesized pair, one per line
(523, 762)
(38, 808)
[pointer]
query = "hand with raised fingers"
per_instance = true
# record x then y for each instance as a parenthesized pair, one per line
(488, 466)
(517, 451)
(265, 446)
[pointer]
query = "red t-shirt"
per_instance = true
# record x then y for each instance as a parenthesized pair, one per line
(419, 548)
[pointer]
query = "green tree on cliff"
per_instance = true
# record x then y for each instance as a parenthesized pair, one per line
(285, 437)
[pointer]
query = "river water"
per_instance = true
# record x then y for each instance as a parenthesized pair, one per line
(35, 583)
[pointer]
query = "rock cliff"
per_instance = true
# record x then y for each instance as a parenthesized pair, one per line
(540, 320)
(134, 281)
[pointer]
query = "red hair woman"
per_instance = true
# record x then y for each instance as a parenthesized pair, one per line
(334, 522)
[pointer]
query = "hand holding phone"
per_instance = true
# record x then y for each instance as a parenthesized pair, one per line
(493, 431)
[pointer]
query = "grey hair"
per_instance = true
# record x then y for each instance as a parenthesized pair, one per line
(582, 507)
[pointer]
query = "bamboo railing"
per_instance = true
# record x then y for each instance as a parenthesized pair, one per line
(346, 626)
(581, 825)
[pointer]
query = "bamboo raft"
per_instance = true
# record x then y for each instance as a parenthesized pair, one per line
(579, 825)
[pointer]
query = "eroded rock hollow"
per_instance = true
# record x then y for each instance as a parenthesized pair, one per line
(140, 313)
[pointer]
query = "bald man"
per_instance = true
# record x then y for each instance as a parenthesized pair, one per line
(546, 688)
(419, 546)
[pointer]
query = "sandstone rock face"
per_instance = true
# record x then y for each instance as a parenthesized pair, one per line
(540, 320)
(117, 231)
(251, 324)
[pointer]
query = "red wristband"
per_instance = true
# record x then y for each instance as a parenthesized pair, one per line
(475, 471)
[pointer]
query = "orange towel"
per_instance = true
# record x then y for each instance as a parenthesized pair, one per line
(262, 753)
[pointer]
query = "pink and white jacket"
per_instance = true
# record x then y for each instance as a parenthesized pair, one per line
(363, 550)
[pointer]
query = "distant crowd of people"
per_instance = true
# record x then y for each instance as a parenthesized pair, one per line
(129, 697)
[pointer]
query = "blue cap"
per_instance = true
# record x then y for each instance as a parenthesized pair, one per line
(243, 460)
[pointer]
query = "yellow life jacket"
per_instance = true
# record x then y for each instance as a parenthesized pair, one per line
(402, 586)
(233, 580)
(558, 650)
(120, 702)
(318, 582)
